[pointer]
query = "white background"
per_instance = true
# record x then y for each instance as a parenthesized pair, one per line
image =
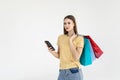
(25, 24)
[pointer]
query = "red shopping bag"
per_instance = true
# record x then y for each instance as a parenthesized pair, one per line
(97, 50)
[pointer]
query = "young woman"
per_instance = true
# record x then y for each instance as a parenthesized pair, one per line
(70, 47)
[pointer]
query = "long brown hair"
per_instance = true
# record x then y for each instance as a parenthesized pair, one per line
(71, 17)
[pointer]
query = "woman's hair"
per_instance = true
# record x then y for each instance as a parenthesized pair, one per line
(71, 17)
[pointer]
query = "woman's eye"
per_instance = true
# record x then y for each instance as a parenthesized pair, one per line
(68, 22)
(64, 23)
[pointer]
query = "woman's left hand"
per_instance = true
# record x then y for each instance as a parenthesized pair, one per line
(73, 37)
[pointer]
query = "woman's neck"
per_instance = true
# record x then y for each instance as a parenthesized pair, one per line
(70, 33)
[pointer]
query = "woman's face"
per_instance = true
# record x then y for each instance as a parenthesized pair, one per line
(68, 24)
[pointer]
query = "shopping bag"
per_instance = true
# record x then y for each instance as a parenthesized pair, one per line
(87, 55)
(97, 50)
(92, 53)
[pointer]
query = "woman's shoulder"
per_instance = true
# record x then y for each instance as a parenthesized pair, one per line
(80, 37)
(61, 35)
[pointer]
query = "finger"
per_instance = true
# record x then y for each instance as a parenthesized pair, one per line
(50, 49)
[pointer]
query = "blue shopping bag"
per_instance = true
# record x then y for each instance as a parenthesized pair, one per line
(87, 56)
(92, 52)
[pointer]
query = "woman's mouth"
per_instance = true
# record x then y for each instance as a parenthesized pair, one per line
(67, 28)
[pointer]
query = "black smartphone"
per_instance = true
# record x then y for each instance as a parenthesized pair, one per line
(49, 45)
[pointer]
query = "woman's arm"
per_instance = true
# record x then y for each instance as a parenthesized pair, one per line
(54, 53)
(76, 52)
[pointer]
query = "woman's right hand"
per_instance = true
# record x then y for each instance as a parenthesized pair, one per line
(50, 50)
(55, 54)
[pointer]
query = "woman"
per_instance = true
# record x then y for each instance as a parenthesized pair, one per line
(70, 47)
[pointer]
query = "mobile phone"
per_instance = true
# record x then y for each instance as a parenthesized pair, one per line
(49, 45)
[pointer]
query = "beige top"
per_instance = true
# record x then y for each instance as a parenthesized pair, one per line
(66, 59)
